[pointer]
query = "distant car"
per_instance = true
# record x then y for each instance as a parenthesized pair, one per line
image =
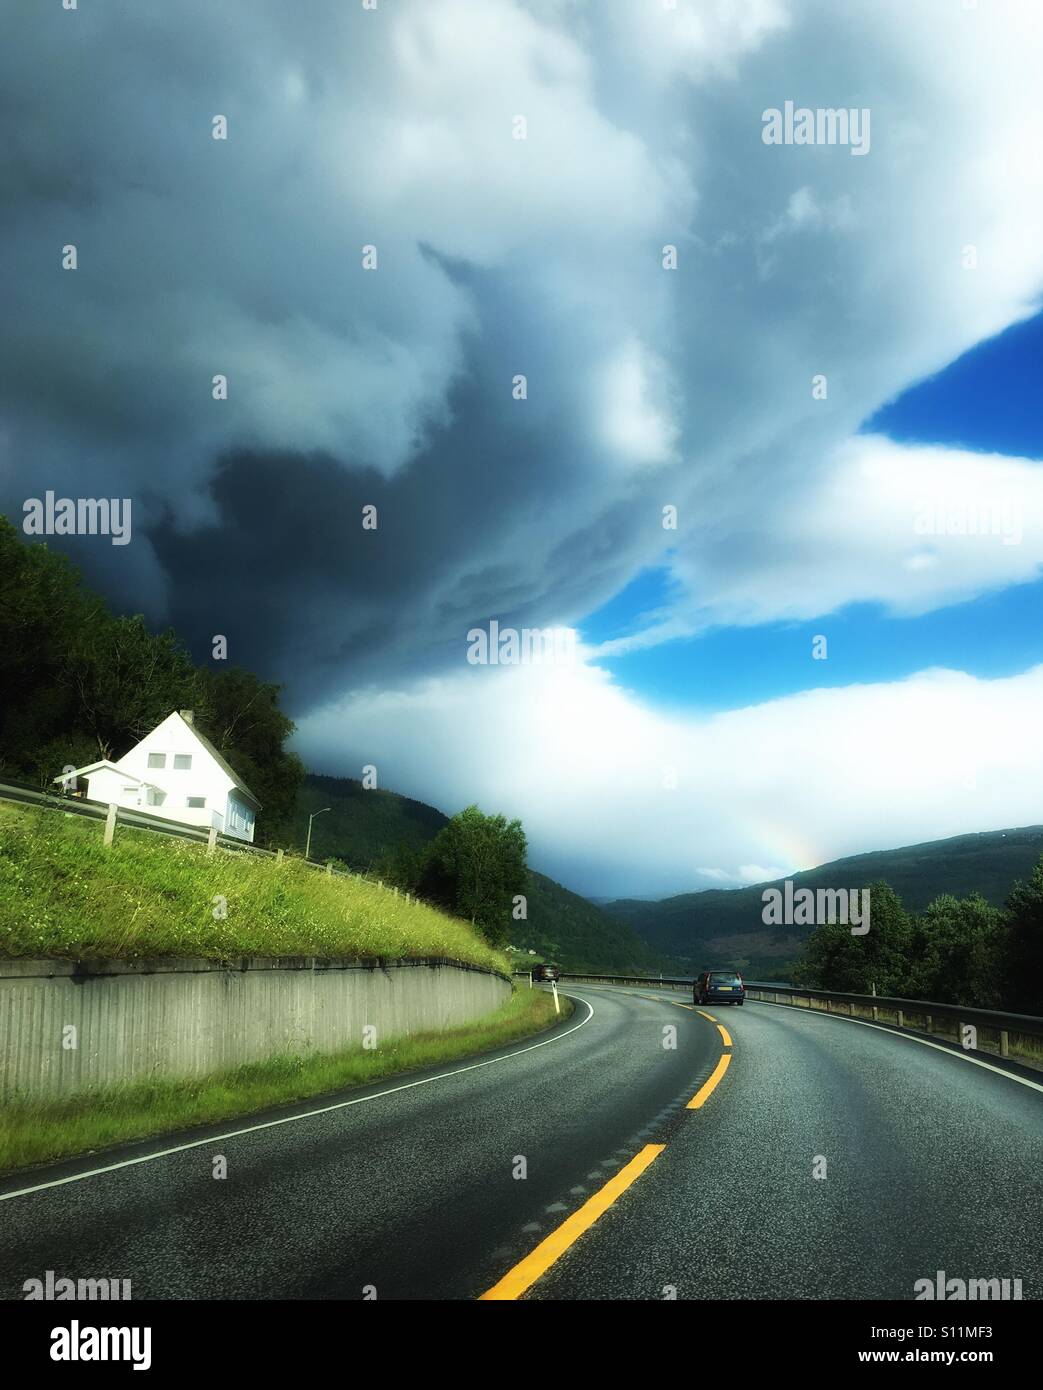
(719, 987)
(545, 972)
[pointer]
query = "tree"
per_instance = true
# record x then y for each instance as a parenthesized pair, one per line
(42, 608)
(401, 866)
(957, 952)
(835, 959)
(126, 679)
(1024, 963)
(476, 866)
(240, 715)
(80, 684)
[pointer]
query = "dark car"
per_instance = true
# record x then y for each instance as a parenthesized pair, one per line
(719, 987)
(545, 971)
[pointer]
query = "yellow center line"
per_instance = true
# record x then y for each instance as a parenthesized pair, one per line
(706, 1015)
(724, 1034)
(707, 1089)
(525, 1273)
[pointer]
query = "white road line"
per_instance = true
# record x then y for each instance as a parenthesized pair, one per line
(909, 1037)
(290, 1119)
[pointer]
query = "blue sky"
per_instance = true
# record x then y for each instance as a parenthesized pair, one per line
(989, 401)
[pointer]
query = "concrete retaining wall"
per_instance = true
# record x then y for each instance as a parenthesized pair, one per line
(186, 1018)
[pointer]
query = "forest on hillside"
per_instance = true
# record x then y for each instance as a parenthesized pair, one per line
(80, 683)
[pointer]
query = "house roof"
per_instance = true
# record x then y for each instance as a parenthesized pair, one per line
(110, 766)
(90, 767)
(240, 785)
(222, 764)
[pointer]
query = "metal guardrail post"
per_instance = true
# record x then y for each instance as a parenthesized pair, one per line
(110, 823)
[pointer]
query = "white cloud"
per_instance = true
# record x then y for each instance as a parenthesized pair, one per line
(695, 41)
(789, 783)
(635, 418)
(913, 528)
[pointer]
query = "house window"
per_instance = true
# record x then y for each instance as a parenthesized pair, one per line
(157, 760)
(197, 802)
(182, 762)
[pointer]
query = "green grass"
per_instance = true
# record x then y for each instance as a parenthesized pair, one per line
(63, 894)
(39, 1131)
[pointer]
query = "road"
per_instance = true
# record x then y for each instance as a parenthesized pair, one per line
(443, 1184)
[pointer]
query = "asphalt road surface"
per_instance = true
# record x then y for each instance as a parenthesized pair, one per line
(610, 1159)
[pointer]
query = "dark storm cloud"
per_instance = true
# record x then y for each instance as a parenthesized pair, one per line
(497, 257)
(306, 595)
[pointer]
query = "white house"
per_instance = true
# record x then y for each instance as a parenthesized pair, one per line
(176, 773)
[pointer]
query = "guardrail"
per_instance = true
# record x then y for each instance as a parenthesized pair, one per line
(663, 981)
(142, 820)
(975, 1030)
(998, 1034)
(139, 820)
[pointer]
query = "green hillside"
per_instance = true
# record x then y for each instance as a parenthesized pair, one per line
(572, 932)
(361, 826)
(366, 828)
(724, 926)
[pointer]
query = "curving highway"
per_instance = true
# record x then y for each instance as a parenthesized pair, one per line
(636, 1152)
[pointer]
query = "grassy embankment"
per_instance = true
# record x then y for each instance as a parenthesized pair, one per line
(63, 894)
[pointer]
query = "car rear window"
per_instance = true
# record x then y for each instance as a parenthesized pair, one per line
(724, 979)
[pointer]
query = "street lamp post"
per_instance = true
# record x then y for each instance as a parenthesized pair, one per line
(307, 847)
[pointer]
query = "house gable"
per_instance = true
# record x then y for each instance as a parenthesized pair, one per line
(176, 747)
(176, 772)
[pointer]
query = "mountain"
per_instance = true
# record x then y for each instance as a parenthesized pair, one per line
(724, 926)
(574, 933)
(363, 826)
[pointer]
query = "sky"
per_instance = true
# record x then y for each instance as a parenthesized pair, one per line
(777, 462)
